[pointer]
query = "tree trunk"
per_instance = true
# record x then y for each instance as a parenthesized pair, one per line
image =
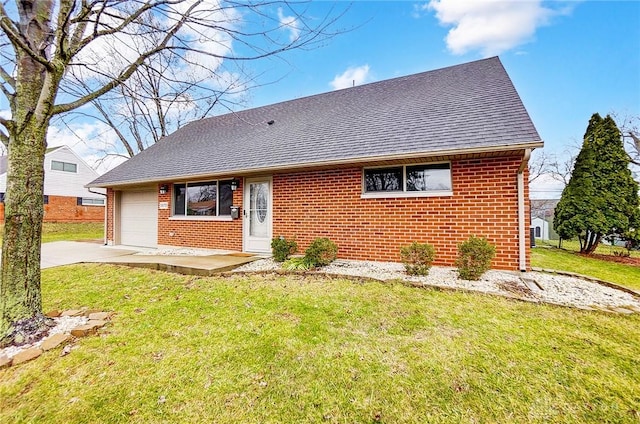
(592, 240)
(20, 296)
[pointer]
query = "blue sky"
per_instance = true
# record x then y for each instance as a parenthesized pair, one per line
(566, 59)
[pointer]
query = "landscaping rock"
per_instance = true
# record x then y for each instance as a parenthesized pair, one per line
(5, 362)
(26, 355)
(54, 341)
(72, 313)
(84, 330)
(99, 316)
(53, 314)
(96, 323)
(89, 312)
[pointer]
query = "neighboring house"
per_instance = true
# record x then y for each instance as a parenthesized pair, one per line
(542, 211)
(65, 197)
(433, 157)
(540, 228)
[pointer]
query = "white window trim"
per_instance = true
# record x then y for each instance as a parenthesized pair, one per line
(92, 204)
(200, 218)
(404, 193)
(185, 217)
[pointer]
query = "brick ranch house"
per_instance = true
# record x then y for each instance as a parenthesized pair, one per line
(432, 157)
(65, 197)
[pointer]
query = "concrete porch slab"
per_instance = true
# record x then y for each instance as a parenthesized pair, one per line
(189, 265)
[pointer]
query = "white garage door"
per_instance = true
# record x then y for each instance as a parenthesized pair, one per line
(139, 218)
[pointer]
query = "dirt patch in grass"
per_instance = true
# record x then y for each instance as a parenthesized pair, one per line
(627, 260)
(516, 289)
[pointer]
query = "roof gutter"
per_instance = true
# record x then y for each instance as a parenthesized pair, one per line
(300, 166)
(522, 235)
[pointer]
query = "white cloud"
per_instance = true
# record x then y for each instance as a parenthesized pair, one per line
(491, 26)
(352, 76)
(290, 23)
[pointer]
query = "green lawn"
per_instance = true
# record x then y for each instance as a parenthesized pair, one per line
(54, 231)
(270, 349)
(568, 260)
(574, 246)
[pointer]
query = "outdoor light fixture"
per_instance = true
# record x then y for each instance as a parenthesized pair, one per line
(234, 184)
(164, 188)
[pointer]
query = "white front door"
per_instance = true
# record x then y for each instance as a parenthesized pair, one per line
(257, 213)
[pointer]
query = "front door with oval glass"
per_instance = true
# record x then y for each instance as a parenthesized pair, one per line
(257, 215)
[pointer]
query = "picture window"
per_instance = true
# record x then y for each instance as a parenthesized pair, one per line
(425, 178)
(208, 198)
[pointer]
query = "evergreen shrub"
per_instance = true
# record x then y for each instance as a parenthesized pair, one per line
(321, 252)
(474, 257)
(417, 258)
(281, 248)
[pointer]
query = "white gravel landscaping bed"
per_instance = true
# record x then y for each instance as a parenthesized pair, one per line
(182, 251)
(530, 286)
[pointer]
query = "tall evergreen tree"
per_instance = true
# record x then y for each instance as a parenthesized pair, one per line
(601, 197)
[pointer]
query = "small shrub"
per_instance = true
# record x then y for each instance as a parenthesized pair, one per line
(321, 252)
(417, 258)
(283, 248)
(298, 264)
(474, 257)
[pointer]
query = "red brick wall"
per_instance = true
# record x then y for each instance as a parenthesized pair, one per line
(110, 206)
(66, 209)
(195, 233)
(329, 204)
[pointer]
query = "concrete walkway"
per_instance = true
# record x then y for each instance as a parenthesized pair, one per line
(70, 252)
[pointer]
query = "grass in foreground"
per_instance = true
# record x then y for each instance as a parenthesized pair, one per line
(296, 349)
(58, 231)
(563, 260)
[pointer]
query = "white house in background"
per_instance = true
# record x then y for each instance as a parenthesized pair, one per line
(66, 199)
(540, 228)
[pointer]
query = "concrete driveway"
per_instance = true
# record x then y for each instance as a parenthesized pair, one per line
(59, 253)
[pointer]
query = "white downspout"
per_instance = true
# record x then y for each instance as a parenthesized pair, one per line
(522, 235)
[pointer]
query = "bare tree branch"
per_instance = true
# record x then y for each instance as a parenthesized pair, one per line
(127, 72)
(538, 165)
(7, 78)
(18, 40)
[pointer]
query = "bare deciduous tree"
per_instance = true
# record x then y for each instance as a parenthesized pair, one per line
(538, 164)
(630, 128)
(58, 56)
